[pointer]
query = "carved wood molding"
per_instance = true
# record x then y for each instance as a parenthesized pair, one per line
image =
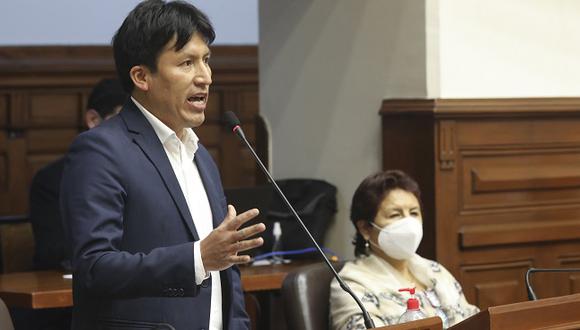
(447, 145)
(493, 266)
(518, 233)
(26, 66)
(503, 179)
(498, 107)
(448, 109)
(531, 178)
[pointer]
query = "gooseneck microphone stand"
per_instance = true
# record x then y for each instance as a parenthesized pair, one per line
(234, 124)
(531, 293)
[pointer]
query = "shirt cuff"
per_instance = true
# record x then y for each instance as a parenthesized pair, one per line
(200, 273)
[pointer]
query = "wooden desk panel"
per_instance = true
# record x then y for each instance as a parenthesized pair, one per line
(48, 289)
(550, 313)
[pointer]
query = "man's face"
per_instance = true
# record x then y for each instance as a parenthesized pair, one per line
(179, 89)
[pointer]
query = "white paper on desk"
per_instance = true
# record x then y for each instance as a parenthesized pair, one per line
(67, 276)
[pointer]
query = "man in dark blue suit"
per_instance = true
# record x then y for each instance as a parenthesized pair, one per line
(154, 245)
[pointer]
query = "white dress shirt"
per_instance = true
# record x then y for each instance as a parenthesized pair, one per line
(181, 154)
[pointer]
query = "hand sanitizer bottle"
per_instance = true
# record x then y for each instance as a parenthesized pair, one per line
(413, 311)
(277, 233)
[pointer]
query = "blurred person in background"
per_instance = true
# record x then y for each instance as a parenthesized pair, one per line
(105, 101)
(50, 248)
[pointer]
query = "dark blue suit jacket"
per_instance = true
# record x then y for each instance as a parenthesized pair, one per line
(132, 233)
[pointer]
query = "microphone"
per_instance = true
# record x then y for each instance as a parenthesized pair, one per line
(531, 293)
(234, 124)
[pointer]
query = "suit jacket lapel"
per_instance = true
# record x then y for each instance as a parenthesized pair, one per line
(146, 138)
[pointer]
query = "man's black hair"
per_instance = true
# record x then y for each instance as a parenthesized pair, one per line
(149, 27)
(106, 96)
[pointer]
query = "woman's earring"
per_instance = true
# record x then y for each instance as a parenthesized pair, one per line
(367, 246)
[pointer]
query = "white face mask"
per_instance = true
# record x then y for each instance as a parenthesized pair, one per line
(400, 239)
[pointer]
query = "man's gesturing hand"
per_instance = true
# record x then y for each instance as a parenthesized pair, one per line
(219, 250)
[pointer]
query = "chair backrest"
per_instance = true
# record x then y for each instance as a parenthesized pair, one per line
(305, 293)
(5, 319)
(315, 202)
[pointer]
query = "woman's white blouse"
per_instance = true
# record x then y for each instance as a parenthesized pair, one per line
(376, 284)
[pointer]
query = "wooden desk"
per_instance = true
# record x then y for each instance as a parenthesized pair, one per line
(549, 313)
(48, 289)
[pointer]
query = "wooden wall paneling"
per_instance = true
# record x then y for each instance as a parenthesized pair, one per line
(517, 192)
(214, 107)
(229, 156)
(412, 153)
(262, 148)
(518, 132)
(4, 175)
(495, 283)
(574, 282)
(230, 149)
(553, 255)
(50, 141)
(235, 66)
(234, 151)
(54, 108)
(236, 82)
(37, 161)
(45, 146)
(17, 112)
(524, 177)
(506, 187)
(248, 104)
(447, 196)
(248, 165)
(518, 233)
(17, 247)
(4, 110)
(248, 100)
(209, 133)
(499, 172)
(570, 281)
(17, 180)
(512, 181)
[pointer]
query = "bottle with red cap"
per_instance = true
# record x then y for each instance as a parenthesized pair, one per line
(413, 311)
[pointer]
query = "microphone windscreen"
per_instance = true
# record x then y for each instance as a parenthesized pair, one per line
(231, 119)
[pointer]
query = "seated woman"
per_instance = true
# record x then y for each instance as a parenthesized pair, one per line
(386, 213)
